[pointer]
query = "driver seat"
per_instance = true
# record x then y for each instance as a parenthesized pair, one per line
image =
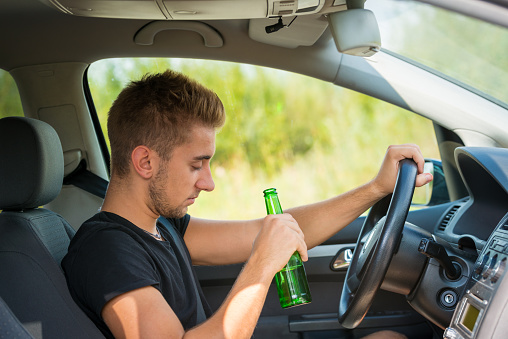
(34, 240)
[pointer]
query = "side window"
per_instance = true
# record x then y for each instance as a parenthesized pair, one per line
(308, 138)
(10, 104)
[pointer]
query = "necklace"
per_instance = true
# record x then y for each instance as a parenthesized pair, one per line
(157, 235)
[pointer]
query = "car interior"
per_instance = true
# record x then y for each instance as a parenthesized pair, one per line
(430, 268)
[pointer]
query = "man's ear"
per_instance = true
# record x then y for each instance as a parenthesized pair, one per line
(142, 161)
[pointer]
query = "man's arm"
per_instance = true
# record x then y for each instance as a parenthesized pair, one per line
(227, 242)
(321, 220)
(144, 313)
(213, 242)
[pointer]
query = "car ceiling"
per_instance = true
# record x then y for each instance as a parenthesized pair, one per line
(35, 36)
(36, 33)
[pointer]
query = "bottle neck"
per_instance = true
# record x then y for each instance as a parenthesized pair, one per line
(272, 204)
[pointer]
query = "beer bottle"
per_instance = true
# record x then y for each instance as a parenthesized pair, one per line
(291, 281)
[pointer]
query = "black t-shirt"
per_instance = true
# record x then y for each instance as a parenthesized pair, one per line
(109, 256)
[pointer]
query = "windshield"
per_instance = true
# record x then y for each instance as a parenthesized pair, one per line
(463, 48)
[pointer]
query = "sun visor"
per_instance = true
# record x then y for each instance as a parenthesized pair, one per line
(355, 32)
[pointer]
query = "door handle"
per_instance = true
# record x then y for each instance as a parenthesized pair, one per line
(342, 260)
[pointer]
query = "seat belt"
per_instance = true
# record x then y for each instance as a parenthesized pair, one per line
(87, 181)
(201, 317)
(92, 183)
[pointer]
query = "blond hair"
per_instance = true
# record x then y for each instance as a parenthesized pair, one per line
(158, 111)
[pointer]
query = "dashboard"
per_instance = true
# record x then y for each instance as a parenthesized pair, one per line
(481, 223)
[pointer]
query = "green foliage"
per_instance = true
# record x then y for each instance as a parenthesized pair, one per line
(259, 129)
(10, 104)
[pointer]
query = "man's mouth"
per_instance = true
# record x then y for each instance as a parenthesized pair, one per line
(192, 199)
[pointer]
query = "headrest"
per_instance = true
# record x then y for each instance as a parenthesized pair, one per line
(31, 163)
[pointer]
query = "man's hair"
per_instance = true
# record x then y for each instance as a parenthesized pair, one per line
(158, 112)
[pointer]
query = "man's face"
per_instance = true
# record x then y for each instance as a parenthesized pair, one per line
(180, 180)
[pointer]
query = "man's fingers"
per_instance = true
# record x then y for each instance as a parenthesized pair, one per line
(408, 151)
(303, 251)
(293, 224)
(289, 222)
(423, 179)
(287, 225)
(302, 247)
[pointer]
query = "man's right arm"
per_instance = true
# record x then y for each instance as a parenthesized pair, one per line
(144, 313)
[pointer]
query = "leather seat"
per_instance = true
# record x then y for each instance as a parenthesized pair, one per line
(34, 240)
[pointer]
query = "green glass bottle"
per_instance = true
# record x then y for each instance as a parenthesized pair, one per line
(291, 281)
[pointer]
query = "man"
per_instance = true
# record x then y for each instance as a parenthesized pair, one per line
(122, 268)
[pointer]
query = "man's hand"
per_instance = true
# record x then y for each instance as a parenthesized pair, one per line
(277, 240)
(387, 176)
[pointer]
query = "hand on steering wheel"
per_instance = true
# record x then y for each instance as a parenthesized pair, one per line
(375, 247)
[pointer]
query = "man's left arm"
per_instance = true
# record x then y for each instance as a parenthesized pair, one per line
(227, 242)
(321, 220)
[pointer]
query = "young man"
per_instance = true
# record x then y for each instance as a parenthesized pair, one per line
(121, 267)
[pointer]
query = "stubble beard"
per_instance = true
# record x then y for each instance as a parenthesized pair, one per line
(157, 192)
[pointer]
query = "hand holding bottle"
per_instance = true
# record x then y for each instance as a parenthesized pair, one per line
(276, 242)
(291, 280)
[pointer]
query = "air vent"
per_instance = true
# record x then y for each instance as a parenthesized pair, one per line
(447, 218)
(504, 227)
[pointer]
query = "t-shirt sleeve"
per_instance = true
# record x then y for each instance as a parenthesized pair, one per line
(109, 266)
(180, 224)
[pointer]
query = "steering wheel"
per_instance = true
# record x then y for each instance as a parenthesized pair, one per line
(377, 243)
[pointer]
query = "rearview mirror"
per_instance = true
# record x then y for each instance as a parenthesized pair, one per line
(355, 32)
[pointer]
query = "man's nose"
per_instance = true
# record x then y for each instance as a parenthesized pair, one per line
(205, 182)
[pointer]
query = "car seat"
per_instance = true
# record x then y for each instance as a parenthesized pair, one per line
(33, 240)
(10, 327)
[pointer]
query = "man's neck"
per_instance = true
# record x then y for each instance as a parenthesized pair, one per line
(129, 202)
